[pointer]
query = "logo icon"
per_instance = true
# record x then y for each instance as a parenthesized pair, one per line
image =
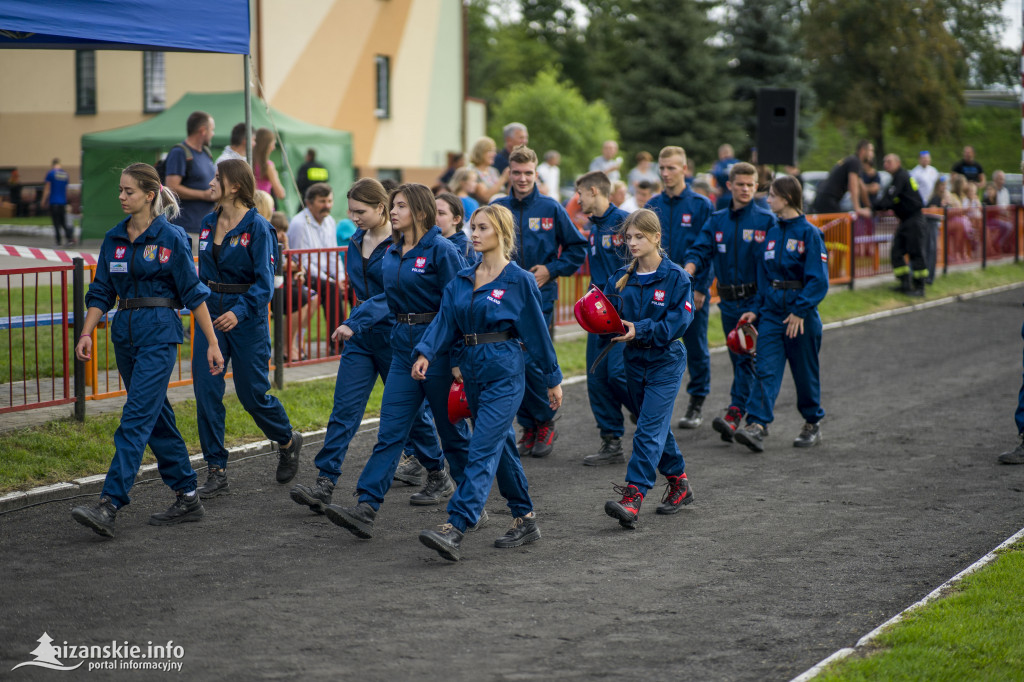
(150, 253)
(165, 254)
(119, 252)
(791, 245)
(245, 239)
(687, 218)
(800, 248)
(748, 235)
(659, 295)
(205, 233)
(46, 656)
(759, 236)
(617, 240)
(547, 223)
(719, 236)
(771, 244)
(534, 224)
(421, 262)
(234, 241)
(497, 293)
(606, 241)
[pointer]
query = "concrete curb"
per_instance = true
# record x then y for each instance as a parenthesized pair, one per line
(93, 484)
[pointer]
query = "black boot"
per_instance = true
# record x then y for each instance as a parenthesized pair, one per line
(1015, 456)
(316, 497)
(446, 541)
(410, 471)
(439, 485)
(916, 288)
(288, 462)
(100, 517)
(358, 519)
(523, 530)
(610, 452)
(693, 417)
(216, 483)
(185, 508)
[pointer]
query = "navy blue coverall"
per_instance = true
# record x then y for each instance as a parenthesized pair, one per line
(732, 242)
(157, 264)
(495, 379)
(546, 236)
(413, 284)
(246, 258)
(660, 305)
(606, 386)
(682, 218)
(366, 356)
(794, 254)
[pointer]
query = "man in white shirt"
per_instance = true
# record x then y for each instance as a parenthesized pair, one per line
(235, 150)
(315, 228)
(609, 162)
(549, 175)
(926, 176)
(1002, 193)
(621, 198)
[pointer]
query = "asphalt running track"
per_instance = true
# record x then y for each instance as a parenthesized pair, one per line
(782, 559)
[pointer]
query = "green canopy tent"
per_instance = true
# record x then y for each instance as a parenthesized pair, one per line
(104, 154)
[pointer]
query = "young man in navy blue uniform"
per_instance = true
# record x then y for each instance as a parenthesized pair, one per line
(731, 242)
(682, 212)
(542, 228)
(606, 386)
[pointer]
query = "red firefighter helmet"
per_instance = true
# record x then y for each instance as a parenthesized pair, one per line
(458, 405)
(596, 314)
(742, 340)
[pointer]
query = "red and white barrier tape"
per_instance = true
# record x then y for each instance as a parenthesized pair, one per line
(52, 255)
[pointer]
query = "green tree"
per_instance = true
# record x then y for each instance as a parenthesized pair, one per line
(766, 51)
(501, 54)
(558, 117)
(874, 61)
(977, 25)
(663, 80)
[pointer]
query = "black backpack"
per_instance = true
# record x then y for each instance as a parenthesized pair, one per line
(161, 165)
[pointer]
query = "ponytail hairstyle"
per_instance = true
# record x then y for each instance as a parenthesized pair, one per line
(787, 188)
(422, 206)
(503, 223)
(646, 221)
(165, 202)
(261, 150)
(370, 192)
(456, 207)
(239, 174)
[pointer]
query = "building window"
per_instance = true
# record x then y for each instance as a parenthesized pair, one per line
(383, 87)
(154, 83)
(85, 81)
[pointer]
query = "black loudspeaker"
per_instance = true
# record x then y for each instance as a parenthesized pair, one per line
(778, 114)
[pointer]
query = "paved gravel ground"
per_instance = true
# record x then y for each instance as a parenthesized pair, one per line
(783, 558)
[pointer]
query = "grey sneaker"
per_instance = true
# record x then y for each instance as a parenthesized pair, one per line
(316, 497)
(185, 508)
(751, 435)
(810, 435)
(693, 417)
(216, 483)
(439, 485)
(410, 471)
(1015, 456)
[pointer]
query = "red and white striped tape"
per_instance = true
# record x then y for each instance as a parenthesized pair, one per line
(52, 255)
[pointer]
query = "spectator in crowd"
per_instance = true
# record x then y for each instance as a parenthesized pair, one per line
(190, 170)
(765, 176)
(645, 189)
(926, 175)
(702, 187)
(845, 177)
(1002, 194)
(871, 183)
(302, 299)
(456, 160)
(314, 228)
(14, 185)
(236, 149)
(516, 135)
(310, 172)
(609, 162)
(263, 168)
(575, 211)
(720, 172)
(645, 170)
(940, 194)
(969, 167)
(549, 175)
(794, 172)
(489, 181)
(55, 193)
(958, 222)
(463, 185)
(621, 198)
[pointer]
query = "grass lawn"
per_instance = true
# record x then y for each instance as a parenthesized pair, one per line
(975, 633)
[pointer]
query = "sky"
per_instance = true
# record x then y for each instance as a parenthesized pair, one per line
(1012, 33)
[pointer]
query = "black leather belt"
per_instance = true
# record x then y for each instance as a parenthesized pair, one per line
(219, 288)
(489, 337)
(736, 292)
(415, 318)
(787, 284)
(133, 303)
(639, 346)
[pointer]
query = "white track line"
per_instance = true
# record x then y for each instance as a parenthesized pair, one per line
(934, 594)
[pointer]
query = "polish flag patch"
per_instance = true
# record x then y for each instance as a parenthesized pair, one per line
(119, 252)
(824, 257)
(688, 306)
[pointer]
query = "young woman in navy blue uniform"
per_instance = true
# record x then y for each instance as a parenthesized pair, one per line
(367, 352)
(417, 267)
(655, 301)
(494, 309)
(146, 265)
(792, 279)
(450, 218)
(237, 248)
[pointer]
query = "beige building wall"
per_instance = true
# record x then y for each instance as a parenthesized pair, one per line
(317, 63)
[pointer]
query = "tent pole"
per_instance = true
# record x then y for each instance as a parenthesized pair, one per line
(248, 111)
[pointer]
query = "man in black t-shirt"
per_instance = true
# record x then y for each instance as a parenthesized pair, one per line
(845, 177)
(970, 168)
